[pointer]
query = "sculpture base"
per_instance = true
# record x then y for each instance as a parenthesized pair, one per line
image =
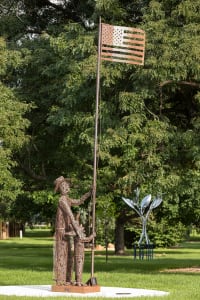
(143, 251)
(76, 289)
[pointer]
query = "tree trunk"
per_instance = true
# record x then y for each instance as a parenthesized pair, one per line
(119, 237)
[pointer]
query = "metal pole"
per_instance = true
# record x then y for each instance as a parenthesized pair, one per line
(96, 145)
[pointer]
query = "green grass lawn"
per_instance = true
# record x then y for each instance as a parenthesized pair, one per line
(28, 261)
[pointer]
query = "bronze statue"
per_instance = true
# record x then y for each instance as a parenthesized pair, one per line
(69, 234)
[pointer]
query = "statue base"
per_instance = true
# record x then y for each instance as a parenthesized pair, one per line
(143, 251)
(76, 289)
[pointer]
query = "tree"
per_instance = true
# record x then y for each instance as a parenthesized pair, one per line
(176, 59)
(12, 127)
(148, 141)
(32, 18)
(149, 116)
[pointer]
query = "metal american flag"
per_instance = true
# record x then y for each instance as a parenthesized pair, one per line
(122, 44)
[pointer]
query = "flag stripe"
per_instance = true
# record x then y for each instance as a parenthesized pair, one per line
(126, 56)
(131, 29)
(109, 54)
(114, 50)
(119, 43)
(133, 62)
(140, 48)
(126, 41)
(136, 47)
(134, 35)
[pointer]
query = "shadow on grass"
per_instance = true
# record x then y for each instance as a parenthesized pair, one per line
(45, 264)
(35, 255)
(144, 266)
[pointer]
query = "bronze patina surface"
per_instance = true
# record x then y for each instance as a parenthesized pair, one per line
(69, 239)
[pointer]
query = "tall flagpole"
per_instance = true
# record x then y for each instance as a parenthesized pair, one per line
(131, 52)
(93, 280)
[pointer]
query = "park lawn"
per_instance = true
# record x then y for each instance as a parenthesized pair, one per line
(28, 261)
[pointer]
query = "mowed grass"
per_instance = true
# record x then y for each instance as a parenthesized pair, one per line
(29, 261)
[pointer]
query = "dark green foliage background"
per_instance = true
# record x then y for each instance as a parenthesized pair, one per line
(149, 116)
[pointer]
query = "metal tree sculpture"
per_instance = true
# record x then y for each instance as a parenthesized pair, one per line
(143, 209)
